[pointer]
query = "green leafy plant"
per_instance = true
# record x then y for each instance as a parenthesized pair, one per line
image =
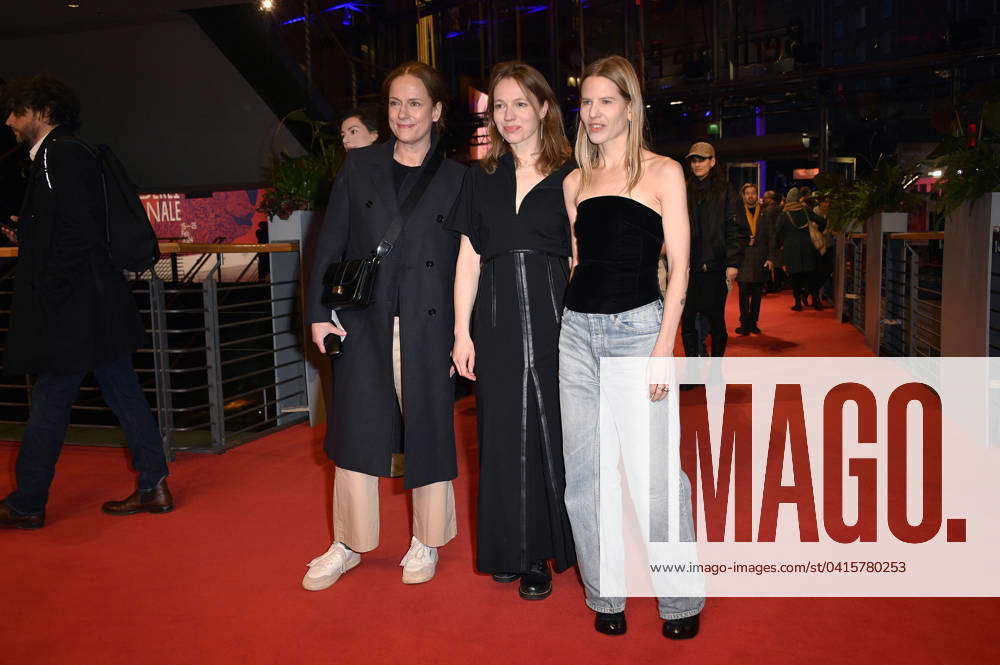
(884, 189)
(302, 182)
(970, 163)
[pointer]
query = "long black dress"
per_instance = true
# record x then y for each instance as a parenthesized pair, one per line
(515, 328)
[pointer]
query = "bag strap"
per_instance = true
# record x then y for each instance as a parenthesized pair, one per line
(414, 196)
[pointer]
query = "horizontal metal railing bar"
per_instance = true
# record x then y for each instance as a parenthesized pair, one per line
(930, 331)
(261, 371)
(247, 339)
(918, 235)
(185, 370)
(176, 331)
(256, 320)
(268, 352)
(201, 427)
(230, 286)
(190, 349)
(260, 388)
(255, 302)
(230, 416)
(271, 419)
(184, 391)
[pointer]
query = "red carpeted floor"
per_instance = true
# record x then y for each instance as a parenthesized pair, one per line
(217, 581)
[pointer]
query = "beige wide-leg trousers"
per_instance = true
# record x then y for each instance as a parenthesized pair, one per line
(355, 496)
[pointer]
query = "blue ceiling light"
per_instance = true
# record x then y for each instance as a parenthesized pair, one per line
(533, 9)
(454, 33)
(349, 6)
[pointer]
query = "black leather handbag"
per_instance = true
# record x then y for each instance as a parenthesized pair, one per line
(350, 284)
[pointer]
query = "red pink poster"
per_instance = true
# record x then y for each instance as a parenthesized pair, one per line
(227, 217)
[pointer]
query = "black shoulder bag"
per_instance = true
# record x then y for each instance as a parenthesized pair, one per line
(350, 284)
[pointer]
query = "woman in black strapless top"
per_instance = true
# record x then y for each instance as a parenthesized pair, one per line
(624, 203)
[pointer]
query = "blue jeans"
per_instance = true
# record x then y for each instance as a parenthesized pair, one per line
(51, 399)
(583, 341)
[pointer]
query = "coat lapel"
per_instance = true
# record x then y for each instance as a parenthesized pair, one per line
(35, 172)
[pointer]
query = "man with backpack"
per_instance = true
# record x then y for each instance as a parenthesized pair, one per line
(72, 309)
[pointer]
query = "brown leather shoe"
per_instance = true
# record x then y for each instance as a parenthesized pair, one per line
(11, 520)
(156, 500)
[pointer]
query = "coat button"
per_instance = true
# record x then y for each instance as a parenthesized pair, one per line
(440, 219)
(369, 204)
(430, 264)
(432, 312)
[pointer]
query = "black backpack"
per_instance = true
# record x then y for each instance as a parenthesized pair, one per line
(131, 241)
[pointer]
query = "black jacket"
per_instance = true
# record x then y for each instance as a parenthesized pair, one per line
(419, 275)
(716, 238)
(72, 310)
(765, 247)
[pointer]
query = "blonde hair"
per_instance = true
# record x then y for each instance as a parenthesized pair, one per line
(553, 145)
(619, 71)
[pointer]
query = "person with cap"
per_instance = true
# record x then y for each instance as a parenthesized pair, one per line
(800, 257)
(718, 243)
(758, 259)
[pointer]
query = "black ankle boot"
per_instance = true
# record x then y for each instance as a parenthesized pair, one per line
(536, 584)
(610, 624)
(681, 629)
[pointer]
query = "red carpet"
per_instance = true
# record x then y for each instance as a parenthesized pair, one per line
(217, 581)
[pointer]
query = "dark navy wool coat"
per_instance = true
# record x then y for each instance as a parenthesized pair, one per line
(417, 277)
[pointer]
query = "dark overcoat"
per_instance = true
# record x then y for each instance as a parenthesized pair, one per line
(764, 247)
(417, 276)
(72, 310)
(799, 253)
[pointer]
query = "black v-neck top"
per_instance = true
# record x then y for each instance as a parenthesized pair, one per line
(485, 212)
(618, 243)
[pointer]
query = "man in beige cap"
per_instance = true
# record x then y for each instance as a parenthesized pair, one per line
(717, 246)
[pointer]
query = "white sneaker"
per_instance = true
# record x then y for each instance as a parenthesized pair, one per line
(327, 568)
(419, 562)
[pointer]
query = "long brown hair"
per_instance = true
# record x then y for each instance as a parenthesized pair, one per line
(437, 89)
(619, 71)
(554, 146)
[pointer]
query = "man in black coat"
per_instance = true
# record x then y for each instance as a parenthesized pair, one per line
(72, 310)
(758, 257)
(717, 246)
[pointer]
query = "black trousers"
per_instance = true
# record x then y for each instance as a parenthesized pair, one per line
(750, 295)
(706, 294)
(51, 399)
(803, 284)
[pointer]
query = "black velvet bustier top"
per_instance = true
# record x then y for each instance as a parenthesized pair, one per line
(618, 242)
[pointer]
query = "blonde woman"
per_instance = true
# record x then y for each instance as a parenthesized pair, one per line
(509, 285)
(624, 202)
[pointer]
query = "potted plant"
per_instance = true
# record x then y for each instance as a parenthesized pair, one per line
(302, 182)
(884, 190)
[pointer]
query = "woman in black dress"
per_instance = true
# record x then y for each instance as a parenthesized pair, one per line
(510, 278)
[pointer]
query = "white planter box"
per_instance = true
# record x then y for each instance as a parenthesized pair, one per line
(300, 227)
(965, 288)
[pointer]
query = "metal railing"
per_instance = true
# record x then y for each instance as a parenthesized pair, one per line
(911, 294)
(994, 313)
(854, 279)
(224, 363)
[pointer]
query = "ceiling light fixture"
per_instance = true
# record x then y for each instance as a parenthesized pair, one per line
(266, 5)
(73, 5)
